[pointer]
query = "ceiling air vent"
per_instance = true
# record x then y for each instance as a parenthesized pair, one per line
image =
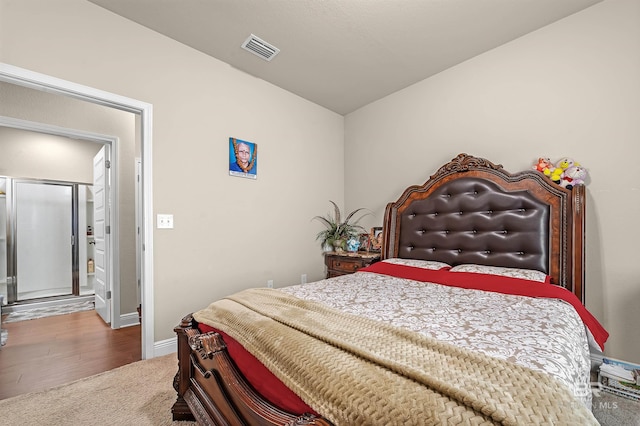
(260, 48)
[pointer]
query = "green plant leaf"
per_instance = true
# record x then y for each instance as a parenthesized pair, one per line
(337, 230)
(336, 212)
(328, 223)
(353, 213)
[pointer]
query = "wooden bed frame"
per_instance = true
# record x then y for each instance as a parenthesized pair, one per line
(445, 219)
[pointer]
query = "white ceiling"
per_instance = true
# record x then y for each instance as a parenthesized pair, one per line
(344, 54)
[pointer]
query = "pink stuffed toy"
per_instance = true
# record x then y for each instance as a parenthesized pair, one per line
(572, 176)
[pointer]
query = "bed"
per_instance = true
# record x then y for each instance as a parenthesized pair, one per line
(474, 315)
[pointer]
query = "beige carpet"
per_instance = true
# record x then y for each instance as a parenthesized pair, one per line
(136, 394)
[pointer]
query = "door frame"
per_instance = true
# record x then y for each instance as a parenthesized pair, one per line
(34, 80)
(112, 155)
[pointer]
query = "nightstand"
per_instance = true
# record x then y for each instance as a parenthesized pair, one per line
(343, 263)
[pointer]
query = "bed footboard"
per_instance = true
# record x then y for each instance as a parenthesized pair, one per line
(212, 391)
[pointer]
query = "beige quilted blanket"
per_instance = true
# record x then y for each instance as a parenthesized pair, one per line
(355, 371)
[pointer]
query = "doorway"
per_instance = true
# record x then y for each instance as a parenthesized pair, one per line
(59, 233)
(143, 111)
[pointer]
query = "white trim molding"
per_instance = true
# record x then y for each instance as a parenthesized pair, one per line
(166, 347)
(130, 319)
(34, 80)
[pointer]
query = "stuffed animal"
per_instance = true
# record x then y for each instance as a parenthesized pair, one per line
(561, 166)
(544, 165)
(572, 176)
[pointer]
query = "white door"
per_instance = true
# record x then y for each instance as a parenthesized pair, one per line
(101, 237)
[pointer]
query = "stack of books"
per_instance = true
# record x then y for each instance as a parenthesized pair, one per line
(620, 377)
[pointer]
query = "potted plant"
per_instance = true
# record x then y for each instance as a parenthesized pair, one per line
(337, 233)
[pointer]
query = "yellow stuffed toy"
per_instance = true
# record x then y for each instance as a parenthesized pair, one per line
(562, 165)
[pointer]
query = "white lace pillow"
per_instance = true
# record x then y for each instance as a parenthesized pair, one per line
(525, 274)
(417, 263)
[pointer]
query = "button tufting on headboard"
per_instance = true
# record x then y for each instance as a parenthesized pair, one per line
(470, 220)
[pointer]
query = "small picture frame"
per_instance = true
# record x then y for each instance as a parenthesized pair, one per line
(243, 158)
(365, 242)
(375, 237)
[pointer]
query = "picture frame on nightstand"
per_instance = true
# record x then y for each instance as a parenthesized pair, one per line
(365, 242)
(375, 237)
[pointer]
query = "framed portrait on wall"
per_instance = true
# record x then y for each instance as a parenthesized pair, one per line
(243, 158)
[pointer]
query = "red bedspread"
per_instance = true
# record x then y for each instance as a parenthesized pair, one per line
(272, 389)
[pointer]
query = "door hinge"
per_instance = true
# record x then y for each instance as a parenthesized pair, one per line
(107, 229)
(109, 295)
(107, 164)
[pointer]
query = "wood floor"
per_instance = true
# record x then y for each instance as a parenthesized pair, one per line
(46, 352)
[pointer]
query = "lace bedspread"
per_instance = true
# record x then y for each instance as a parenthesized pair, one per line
(543, 334)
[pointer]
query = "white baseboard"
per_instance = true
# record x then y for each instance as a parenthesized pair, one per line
(165, 347)
(127, 320)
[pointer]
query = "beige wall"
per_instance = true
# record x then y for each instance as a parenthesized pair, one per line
(33, 155)
(569, 89)
(230, 233)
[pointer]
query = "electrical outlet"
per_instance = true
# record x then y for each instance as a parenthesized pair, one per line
(270, 283)
(165, 221)
(303, 279)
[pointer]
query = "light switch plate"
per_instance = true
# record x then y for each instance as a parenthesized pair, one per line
(165, 221)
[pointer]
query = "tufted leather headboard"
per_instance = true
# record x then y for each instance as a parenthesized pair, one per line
(472, 211)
